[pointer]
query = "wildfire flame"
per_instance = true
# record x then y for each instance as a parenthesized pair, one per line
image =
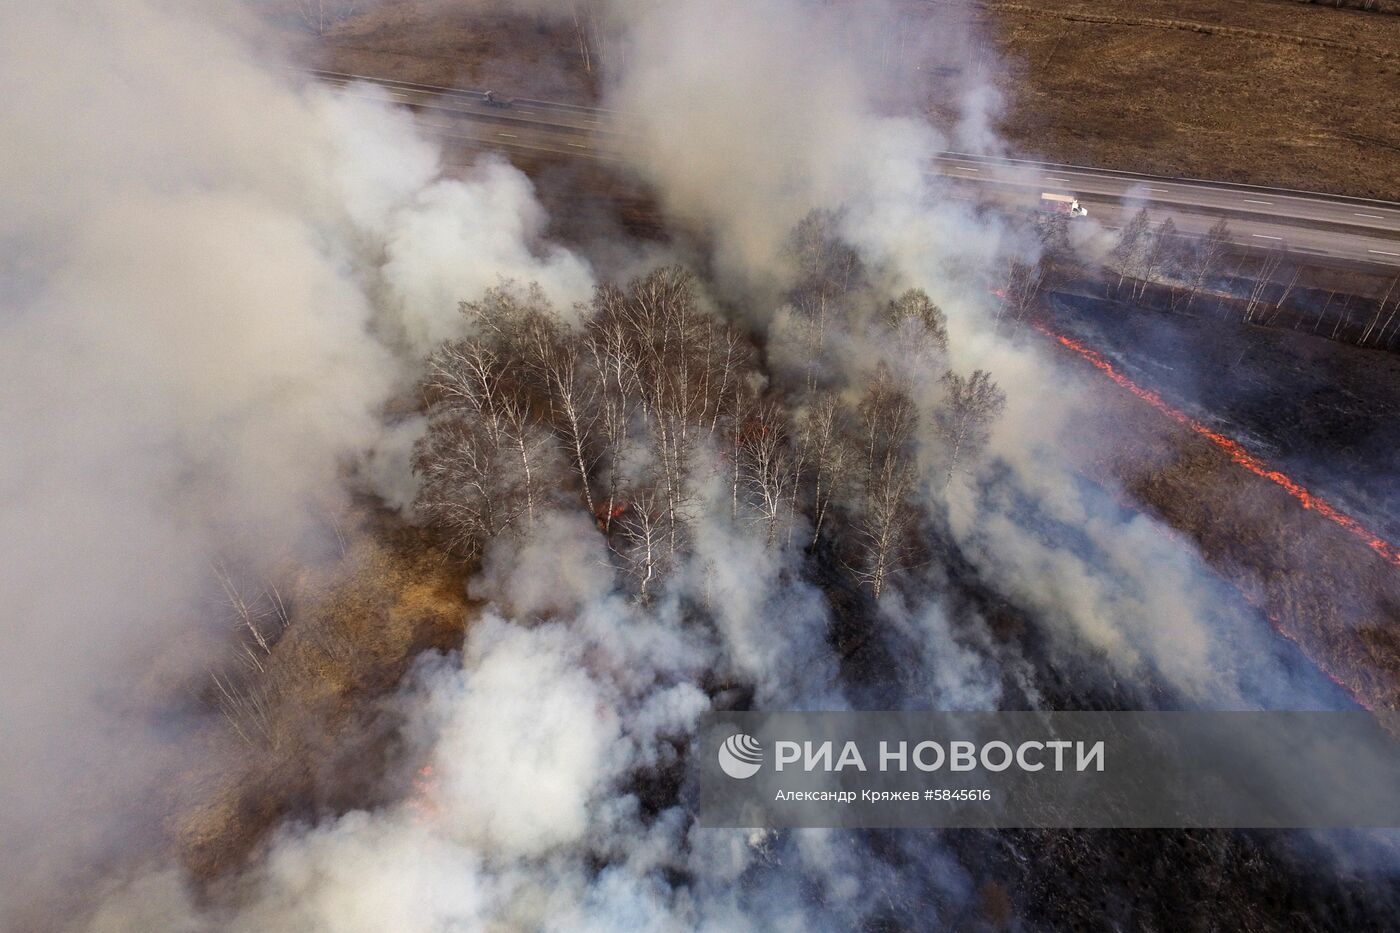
(423, 801)
(1233, 449)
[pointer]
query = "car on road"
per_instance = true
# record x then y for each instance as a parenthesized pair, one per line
(1062, 204)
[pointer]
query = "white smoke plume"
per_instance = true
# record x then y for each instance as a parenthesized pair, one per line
(213, 279)
(745, 137)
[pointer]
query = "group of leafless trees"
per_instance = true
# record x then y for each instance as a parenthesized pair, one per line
(590, 33)
(647, 403)
(1255, 287)
(244, 694)
(318, 16)
(1147, 255)
(1024, 281)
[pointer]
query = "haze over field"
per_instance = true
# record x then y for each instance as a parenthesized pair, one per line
(221, 286)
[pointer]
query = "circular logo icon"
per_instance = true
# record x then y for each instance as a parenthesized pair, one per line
(740, 756)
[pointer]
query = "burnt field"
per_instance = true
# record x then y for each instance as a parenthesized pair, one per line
(1301, 521)
(1325, 412)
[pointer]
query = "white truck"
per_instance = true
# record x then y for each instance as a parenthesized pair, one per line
(1062, 204)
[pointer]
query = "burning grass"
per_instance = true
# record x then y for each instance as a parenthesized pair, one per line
(1232, 449)
(1323, 578)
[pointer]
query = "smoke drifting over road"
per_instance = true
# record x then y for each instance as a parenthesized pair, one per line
(217, 277)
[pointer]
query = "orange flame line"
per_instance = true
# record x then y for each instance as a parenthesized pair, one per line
(1233, 449)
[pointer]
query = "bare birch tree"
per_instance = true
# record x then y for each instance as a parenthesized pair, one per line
(481, 422)
(769, 468)
(562, 372)
(915, 317)
(583, 15)
(1159, 257)
(887, 421)
(1059, 261)
(1021, 289)
(526, 442)
(611, 345)
(1205, 259)
(1263, 279)
(672, 362)
(1282, 298)
(1379, 313)
(645, 548)
(259, 614)
(827, 271)
(249, 707)
(884, 524)
(884, 515)
(964, 419)
(823, 454)
(320, 15)
(1127, 254)
(463, 488)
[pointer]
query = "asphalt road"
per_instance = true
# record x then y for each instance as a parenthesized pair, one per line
(1329, 227)
(1350, 229)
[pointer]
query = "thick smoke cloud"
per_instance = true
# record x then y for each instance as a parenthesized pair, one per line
(213, 280)
(743, 136)
(216, 278)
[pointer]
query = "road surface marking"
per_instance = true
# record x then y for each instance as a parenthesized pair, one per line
(1159, 190)
(508, 135)
(578, 145)
(529, 112)
(1369, 216)
(964, 168)
(1381, 252)
(1265, 236)
(1252, 201)
(1058, 181)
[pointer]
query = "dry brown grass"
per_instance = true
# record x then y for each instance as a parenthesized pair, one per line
(313, 743)
(1264, 92)
(447, 43)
